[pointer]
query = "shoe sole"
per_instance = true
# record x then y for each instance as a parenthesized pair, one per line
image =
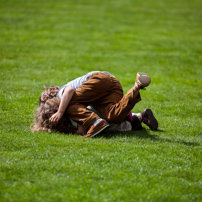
(153, 121)
(96, 132)
(99, 131)
(144, 79)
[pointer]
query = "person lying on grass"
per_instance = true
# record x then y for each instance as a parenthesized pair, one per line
(49, 106)
(104, 92)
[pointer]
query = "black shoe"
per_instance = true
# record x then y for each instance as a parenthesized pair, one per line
(149, 119)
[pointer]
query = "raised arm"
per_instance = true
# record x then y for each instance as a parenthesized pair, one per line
(66, 98)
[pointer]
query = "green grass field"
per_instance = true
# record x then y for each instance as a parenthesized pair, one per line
(46, 42)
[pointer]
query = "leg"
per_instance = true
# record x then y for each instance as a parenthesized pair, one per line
(80, 114)
(114, 107)
(146, 117)
(88, 93)
(97, 87)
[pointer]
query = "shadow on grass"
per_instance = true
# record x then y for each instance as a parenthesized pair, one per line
(143, 134)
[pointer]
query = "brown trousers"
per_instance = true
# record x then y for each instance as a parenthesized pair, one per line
(104, 93)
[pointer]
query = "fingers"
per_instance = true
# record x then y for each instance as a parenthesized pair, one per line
(53, 120)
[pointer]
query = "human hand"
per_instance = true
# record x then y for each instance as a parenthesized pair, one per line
(54, 119)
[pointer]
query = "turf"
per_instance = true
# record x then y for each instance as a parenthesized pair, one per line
(51, 42)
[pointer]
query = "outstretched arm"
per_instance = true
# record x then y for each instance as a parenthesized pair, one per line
(66, 98)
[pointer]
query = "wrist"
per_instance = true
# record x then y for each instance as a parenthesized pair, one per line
(61, 113)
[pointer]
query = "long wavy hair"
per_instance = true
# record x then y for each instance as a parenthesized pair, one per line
(48, 93)
(48, 105)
